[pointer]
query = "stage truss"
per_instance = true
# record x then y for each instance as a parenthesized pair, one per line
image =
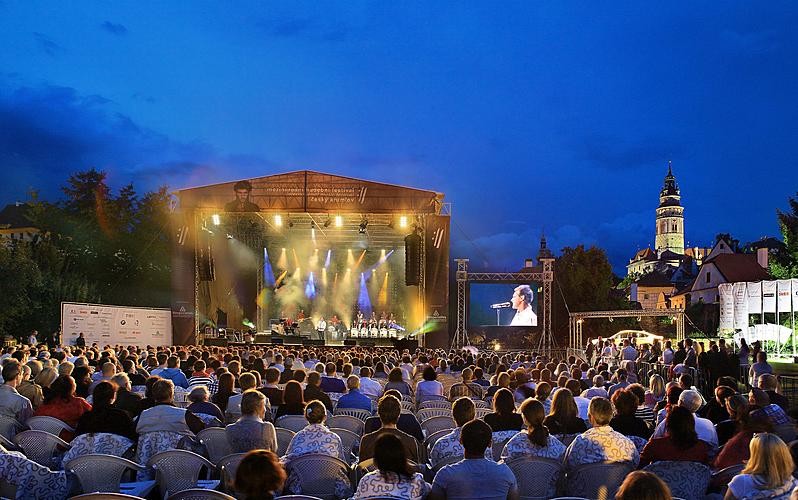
(545, 276)
(577, 319)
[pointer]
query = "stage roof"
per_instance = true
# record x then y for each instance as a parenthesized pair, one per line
(312, 192)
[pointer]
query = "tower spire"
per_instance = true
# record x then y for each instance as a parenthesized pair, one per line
(669, 168)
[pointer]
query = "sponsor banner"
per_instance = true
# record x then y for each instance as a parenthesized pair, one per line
(784, 293)
(115, 324)
(726, 292)
(754, 297)
(769, 296)
(740, 306)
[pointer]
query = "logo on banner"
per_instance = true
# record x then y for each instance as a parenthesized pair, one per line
(362, 196)
(437, 238)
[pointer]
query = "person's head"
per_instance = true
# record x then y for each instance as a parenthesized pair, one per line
(761, 357)
(46, 377)
(429, 373)
(108, 369)
(475, 437)
(503, 380)
(768, 382)
(522, 297)
(770, 460)
(625, 403)
(329, 369)
(199, 366)
(599, 411)
(258, 474)
(198, 394)
(314, 378)
(639, 391)
(65, 368)
(685, 381)
(388, 409)
(353, 382)
(574, 386)
(533, 413)
(272, 375)
(503, 402)
(642, 485)
(722, 392)
(680, 425)
(292, 394)
(104, 394)
(395, 375)
(253, 403)
(463, 410)
(390, 455)
(172, 362)
(672, 395)
(62, 388)
(758, 398)
(598, 381)
(563, 407)
(247, 381)
(542, 391)
(315, 412)
(620, 374)
(691, 400)
(163, 391)
(242, 190)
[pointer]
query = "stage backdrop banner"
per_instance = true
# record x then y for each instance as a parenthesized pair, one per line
(754, 297)
(105, 324)
(785, 296)
(740, 307)
(726, 292)
(769, 296)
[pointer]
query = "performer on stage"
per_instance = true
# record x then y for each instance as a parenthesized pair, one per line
(321, 327)
(522, 303)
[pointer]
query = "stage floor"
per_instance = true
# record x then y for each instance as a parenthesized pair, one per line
(266, 340)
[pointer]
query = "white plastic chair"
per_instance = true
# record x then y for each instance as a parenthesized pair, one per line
(41, 446)
(293, 423)
(48, 424)
(349, 440)
(537, 477)
(178, 470)
(284, 437)
(353, 412)
(227, 467)
(347, 422)
(435, 404)
(215, 440)
(319, 474)
(436, 424)
(427, 413)
(104, 473)
(200, 494)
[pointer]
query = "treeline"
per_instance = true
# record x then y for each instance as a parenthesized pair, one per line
(94, 245)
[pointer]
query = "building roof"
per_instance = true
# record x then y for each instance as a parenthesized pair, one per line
(737, 267)
(14, 216)
(670, 255)
(644, 254)
(654, 279)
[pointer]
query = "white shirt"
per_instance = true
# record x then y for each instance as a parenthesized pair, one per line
(322, 325)
(370, 387)
(703, 427)
(581, 406)
(629, 353)
(667, 356)
(525, 318)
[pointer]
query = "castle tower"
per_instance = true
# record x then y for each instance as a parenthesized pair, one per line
(670, 218)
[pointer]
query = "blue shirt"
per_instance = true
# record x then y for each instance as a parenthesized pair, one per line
(176, 376)
(474, 478)
(355, 399)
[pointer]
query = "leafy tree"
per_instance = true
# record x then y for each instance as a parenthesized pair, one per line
(20, 282)
(785, 264)
(587, 283)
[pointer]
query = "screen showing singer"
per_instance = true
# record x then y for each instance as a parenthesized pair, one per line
(522, 303)
(510, 304)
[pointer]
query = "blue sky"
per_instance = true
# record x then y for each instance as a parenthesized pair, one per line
(528, 115)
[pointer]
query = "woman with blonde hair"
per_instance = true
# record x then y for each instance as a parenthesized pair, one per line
(563, 417)
(768, 473)
(656, 391)
(45, 378)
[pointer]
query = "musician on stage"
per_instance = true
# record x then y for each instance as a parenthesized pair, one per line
(321, 326)
(522, 303)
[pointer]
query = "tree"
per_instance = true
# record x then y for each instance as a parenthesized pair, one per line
(785, 264)
(586, 280)
(20, 282)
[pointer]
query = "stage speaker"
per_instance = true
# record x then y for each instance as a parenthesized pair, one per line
(412, 259)
(215, 341)
(205, 267)
(350, 342)
(261, 338)
(277, 341)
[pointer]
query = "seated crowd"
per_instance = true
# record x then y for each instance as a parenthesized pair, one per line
(426, 424)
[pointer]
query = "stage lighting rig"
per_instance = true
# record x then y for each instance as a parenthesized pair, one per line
(216, 219)
(403, 221)
(278, 220)
(339, 221)
(328, 222)
(363, 225)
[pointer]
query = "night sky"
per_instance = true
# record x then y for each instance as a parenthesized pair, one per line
(530, 116)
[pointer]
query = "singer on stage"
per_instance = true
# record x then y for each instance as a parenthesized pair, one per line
(522, 303)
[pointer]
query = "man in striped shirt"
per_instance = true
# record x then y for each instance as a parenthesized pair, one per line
(199, 377)
(642, 411)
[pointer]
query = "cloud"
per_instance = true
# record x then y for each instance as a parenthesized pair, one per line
(47, 45)
(619, 153)
(50, 132)
(114, 28)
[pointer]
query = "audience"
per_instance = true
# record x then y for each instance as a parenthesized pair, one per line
(104, 417)
(315, 437)
(354, 398)
(200, 404)
(388, 409)
(600, 443)
(429, 388)
(259, 476)
(641, 485)
(626, 420)
(450, 446)
(681, 442)
(504, 417)
(691, 400)
(768, 472)
(293, 400)
(165, 416)
(62, 403)
(563, 418)
(408, 422)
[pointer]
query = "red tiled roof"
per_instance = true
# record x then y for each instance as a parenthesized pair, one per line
(740, 267)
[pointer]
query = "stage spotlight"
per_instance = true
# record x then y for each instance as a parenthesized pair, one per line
(290, 223)
(363, 225)
(339, 221)
(216, 219)
(327, 222)
(278, 220)
(403, 221)
(313, 224)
